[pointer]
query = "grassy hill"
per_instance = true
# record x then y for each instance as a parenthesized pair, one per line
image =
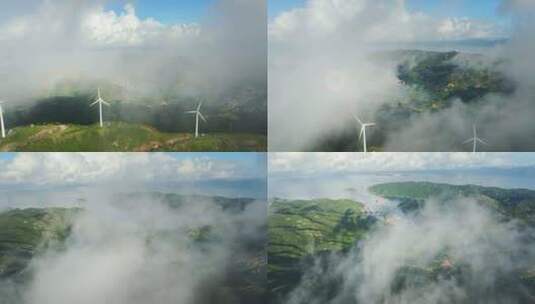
(27, 233)
(308, 239)
(298, 231)
(117, 137)
(431, 81)
(517, 203)
(446, 75)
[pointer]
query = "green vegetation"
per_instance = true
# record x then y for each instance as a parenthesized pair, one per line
(513, 203)
(316, 235)
(431, 82)
(239, 109)
(300, 230)
(29, 232)
(117, 136)
(451, 75)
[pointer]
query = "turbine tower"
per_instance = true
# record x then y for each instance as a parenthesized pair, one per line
(2, 120)
(362, 135)
(475, 139)
(100, 102)
(197, 115)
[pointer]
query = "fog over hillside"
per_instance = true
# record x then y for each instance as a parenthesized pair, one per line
(47, 44)
(430, 259)
(331, 59)
(401, 228)
(89, 228)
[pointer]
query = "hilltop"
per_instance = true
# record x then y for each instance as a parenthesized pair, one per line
(30, 232)
(430, 82)
(301, 230)
(125, 137)
(511, 203)
(27, 234)
(310, 240)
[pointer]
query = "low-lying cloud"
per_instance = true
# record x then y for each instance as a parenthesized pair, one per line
(476, 256)
(46, 43)
(327, 62)
(139, 249)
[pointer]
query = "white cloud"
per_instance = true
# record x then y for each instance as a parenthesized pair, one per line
(321, 163)
(46, 42)
(97, 26)
(374, 21)
(325, 63)
(63, 169)
(109, 28)
(462, 28)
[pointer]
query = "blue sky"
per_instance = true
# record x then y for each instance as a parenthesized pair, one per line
(7, 156)
(275, 7)
(167, 11)
(479, 9)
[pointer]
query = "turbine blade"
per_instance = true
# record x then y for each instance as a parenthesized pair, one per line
(191, 112)
(202, 117)
(468, 141)
(199, 106)
(361, 133)
(105, 103)
(482, 141)
(357, 119)
(370, 124)
(94, 103)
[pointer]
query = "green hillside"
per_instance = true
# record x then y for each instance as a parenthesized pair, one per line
(446, 75)
(309, 239)
(122, 137)
(517, 203)
(27, 233)
(301, 230)
(431, 82)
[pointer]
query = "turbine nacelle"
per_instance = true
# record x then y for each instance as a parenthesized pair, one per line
(198, 115)
(100, 102)
(362, 134)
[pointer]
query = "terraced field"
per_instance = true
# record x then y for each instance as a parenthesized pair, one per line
(25, 234)
(309, 239)
(28, 234)
(300, 230)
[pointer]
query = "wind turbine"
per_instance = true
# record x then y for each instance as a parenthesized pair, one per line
(2, 120)
(363, 127)
(100, 102)
(197, 115)
(475, 139)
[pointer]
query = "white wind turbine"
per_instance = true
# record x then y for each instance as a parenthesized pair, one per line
(2, 120)
(197, 115)
(100, 102)
(475, 139)
(363, 127)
